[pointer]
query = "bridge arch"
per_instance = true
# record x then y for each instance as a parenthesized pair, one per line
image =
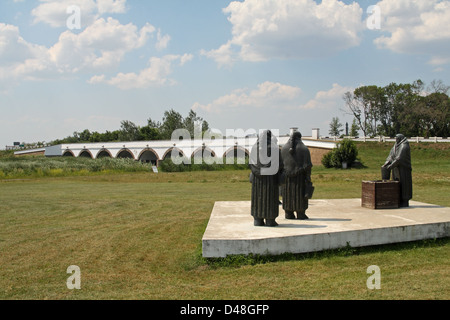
(236, 152)
(203, 152)
(104, 153)
(85, 153)
(68, 153)
(149, 155)
(168, 153)
(125, 154)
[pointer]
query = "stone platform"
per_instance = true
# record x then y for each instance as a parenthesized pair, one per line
(333, 224)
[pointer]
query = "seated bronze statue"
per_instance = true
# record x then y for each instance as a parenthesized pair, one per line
(399, 164)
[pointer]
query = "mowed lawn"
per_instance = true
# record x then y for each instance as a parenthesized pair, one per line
(138, 236)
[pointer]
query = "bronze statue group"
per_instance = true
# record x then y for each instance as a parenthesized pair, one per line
(287, 171)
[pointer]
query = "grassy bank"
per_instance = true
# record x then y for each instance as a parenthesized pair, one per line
(137, 235)
(38, 167)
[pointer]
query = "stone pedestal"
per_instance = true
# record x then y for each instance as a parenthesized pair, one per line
(332, 224)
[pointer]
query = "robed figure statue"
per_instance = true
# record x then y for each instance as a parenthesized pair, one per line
(399, 163)
(265, 173)
(297, 187)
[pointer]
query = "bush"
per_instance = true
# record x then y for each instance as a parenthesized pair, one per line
(329, 160)
(55, 167)
(346, 151)
(168, 166)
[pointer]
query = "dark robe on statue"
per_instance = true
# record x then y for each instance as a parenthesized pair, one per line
(265, 180)
(399, 163)
(297, 187)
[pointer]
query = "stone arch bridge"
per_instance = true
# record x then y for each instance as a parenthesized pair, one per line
(156, 151)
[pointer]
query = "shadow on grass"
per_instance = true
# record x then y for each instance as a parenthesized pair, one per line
(236, 261)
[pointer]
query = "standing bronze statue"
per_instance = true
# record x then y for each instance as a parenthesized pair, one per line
(266, 167)
(399, 163)
(297, 187)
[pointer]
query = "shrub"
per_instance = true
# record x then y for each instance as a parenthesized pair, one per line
(346, 151)
(168, 166)
(329, 160)
(42, 167)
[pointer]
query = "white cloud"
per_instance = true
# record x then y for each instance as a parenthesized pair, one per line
(13, 48)
(223, 56)
(416, 27)
(266, 95)
(157, 74)
(288, 29)
(18, 58)
(111, 6)
(270, 96)
(54, 12)
(100, 46)
(330, 99)
(186, 58)
(163, 41)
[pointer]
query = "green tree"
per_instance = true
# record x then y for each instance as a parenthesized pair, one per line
(172, 121)
(95, 137)
(129, 131)
(433, 112)
(401, 100)
(366, 104)
(149, 133)
(85, 136)
(388, 110)
(335, 127)
(354, 130)
(193, 122)
(154, 130)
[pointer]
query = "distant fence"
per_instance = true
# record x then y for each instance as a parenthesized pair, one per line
(388, 139)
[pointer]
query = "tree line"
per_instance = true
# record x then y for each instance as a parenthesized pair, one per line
(411, 109)
(129, 131)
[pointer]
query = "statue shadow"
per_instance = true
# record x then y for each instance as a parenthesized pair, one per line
(328, 219)
(412, 207)
(301, 226)
(311, 226)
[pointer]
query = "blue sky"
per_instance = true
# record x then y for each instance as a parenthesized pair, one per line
(250, 64)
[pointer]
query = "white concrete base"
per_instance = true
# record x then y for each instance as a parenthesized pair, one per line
(332, 224)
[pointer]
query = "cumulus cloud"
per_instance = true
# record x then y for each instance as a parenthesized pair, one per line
(275, 96)
(54, 12)
(330, 99)
(19, 58)
(288, 29)
(416, 27)
(266, 95)
(100, 47)
(163, 41)
(13, 48)
(157, 74)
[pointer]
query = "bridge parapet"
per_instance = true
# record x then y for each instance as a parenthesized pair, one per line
(156, 151)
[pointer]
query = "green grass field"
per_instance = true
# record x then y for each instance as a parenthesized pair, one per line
(137, 235)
